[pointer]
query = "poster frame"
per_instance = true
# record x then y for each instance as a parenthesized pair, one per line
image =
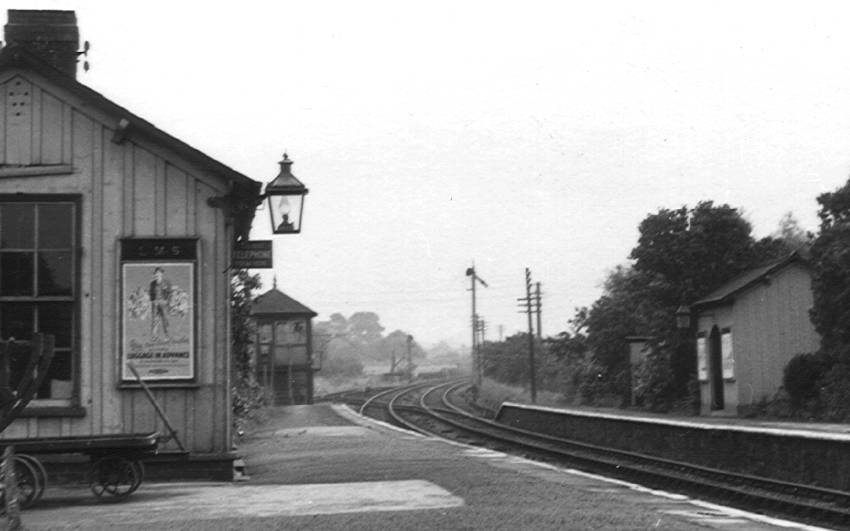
(172, 254)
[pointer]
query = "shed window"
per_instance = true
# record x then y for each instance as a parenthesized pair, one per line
(38, 287)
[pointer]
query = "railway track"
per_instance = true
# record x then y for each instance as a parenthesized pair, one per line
(433, 409)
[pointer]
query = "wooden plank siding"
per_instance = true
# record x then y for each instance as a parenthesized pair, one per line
(771, 326)
(131, 189)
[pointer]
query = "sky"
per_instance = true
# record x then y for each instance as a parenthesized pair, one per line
(509, 135)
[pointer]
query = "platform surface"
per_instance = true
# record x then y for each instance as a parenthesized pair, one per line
(324, 467)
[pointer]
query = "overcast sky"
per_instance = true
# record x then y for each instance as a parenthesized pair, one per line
(522, 134)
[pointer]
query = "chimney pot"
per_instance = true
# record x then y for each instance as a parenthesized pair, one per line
(51, 34)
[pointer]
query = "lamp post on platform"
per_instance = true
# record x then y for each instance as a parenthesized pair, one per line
(684, 355)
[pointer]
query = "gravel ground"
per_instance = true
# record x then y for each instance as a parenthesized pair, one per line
(319, 467)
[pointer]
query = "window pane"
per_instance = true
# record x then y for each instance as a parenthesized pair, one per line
(280, 334)
(55, 226)
(297, 332)
(57, 318)
(290, 333)
(265, 333)
(57, 383)
(284, 356)
(16, 272)
(54, 273)
(16, 226)
(16, 320)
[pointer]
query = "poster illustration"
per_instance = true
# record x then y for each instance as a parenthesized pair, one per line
(728, 355)
(702, 360)
(158, 320)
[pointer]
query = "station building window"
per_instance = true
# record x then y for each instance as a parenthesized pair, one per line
(38, 285)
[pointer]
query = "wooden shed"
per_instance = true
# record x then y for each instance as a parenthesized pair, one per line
(113, 237)
(748, 330)
(283, 347)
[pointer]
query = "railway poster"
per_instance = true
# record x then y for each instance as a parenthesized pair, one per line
(728, 355)
(158, 320)
(702, 360)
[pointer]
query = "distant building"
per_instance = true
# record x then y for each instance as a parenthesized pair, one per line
(748, 330)
(284, 348)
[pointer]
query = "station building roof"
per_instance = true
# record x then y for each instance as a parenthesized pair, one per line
(244, 190)
(726, 293)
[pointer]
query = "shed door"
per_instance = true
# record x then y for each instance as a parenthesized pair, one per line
(715, 361)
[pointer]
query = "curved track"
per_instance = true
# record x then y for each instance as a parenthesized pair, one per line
(431, 409)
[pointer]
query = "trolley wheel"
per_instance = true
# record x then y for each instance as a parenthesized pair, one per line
(114, 478)
(41, 475)
(29, 486)
(140, 474)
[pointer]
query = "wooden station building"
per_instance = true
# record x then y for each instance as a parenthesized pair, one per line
(114, 237)
(747, 332)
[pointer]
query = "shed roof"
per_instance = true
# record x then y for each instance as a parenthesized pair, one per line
(276, 302)
(726, 292)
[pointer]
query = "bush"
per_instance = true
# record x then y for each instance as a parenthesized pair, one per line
(802, 375)
(835, 393)
(690, 402)
(248, 397)
(654, 383)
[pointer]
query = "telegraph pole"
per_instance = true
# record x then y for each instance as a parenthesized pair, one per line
(528, 310)
(476, 360)
(539, 328)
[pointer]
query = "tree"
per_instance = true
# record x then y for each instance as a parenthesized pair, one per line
(507, 361)
(830, 258)
(394, 347)
(695, 251)
(247, 393)
(569, 356)
(791, 234)
(365, 328)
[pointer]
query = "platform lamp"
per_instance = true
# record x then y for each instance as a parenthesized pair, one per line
(285, 195)
(684, 360)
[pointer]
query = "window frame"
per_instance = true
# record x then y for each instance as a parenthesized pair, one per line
(40, 407)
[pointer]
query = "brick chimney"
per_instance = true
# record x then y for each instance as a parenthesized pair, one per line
(51, 34)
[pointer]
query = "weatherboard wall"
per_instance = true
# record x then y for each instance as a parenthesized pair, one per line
(53, 142)
(771, 326)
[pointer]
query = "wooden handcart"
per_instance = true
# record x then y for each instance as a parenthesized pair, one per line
(116, 468)
(115, 471)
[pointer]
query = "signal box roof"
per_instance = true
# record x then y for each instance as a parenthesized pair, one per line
(275, 302)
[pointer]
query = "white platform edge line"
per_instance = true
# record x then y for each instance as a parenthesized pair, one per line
(347, 412)
(783, 432)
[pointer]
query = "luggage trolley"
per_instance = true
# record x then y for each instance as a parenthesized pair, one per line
(116, 468)
(115, 471)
